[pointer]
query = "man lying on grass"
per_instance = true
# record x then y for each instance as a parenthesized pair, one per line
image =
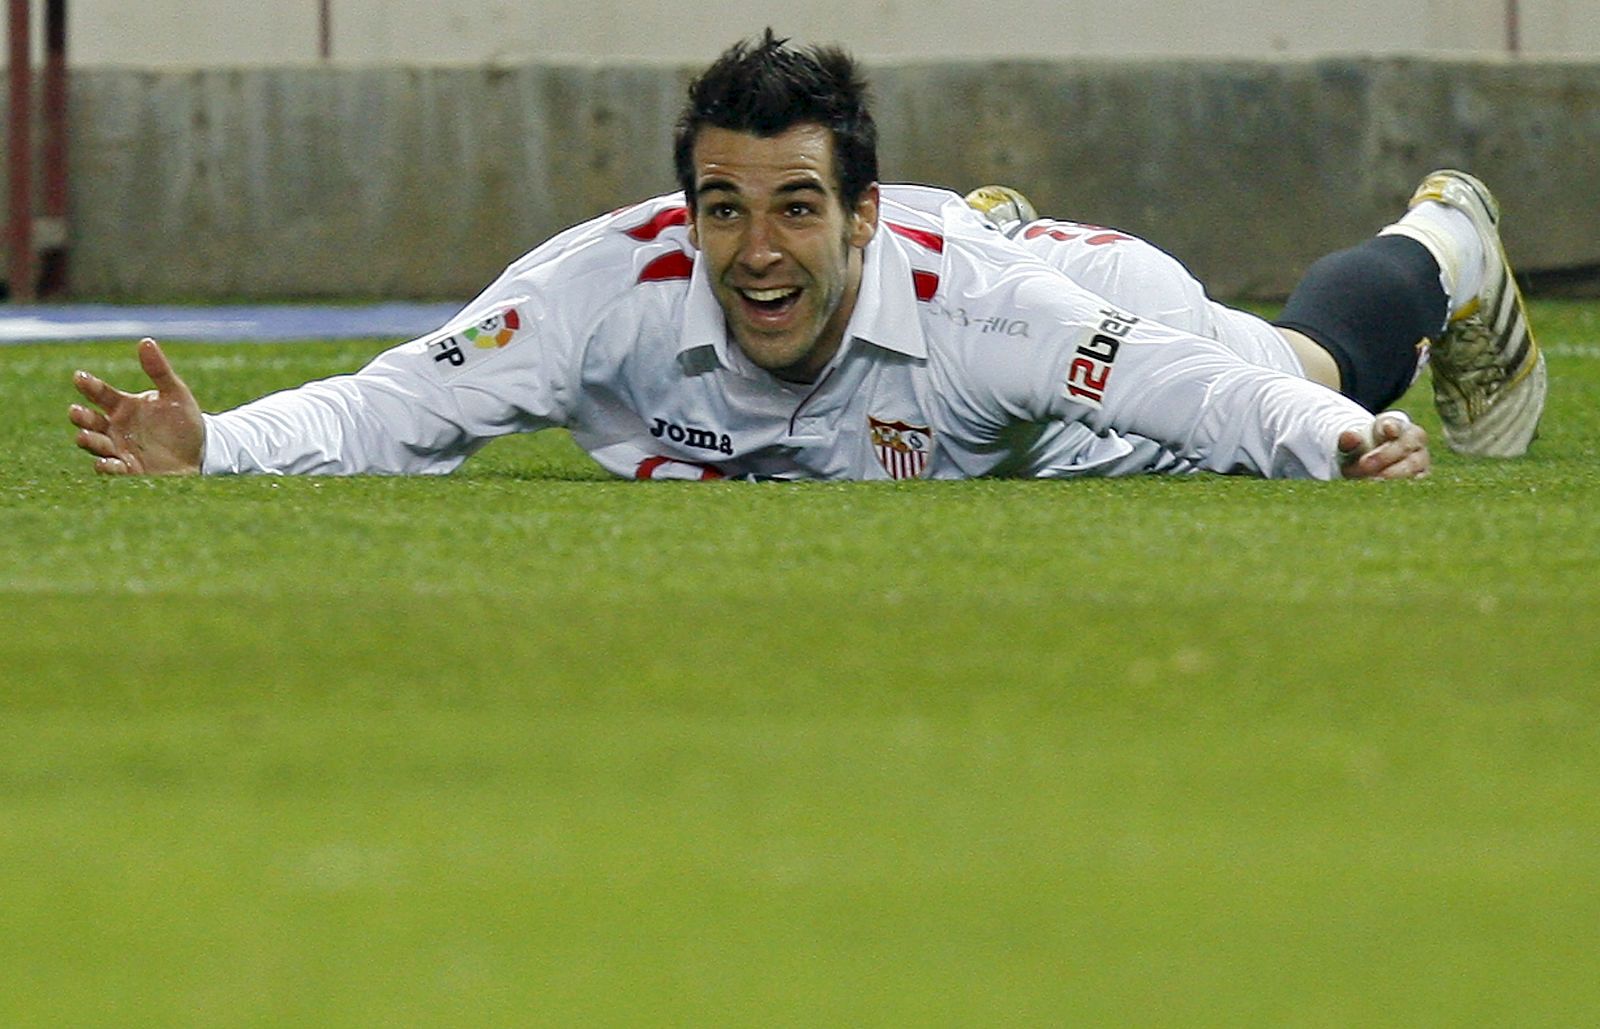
(785, 317)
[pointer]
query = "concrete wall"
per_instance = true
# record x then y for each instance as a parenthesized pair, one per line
(425, 182)
(232, 32)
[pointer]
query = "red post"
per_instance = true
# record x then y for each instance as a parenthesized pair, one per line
(53, 228)
(19, 155)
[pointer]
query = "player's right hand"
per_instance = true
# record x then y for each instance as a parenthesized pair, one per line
(1391, 446)
(157, 432)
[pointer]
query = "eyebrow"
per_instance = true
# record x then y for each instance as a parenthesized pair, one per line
(808, 186)
(715, 185)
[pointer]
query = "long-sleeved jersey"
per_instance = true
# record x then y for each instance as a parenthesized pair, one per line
(965, 355)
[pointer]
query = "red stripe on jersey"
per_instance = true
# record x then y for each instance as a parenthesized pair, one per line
(663, 221)
(925, 283)
(931, 240)
(676, 265)
(1066, 232)
(647, 468)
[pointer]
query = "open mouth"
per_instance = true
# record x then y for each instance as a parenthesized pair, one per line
(770, 303)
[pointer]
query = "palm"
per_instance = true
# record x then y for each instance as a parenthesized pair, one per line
(150, 433)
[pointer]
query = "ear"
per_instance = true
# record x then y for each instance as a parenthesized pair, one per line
(864, 217)
(694, 227)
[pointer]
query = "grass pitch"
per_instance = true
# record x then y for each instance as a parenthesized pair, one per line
(529, 746)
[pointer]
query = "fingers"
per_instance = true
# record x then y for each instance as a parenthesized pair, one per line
(1391, 425)
(95, 442)
(98, 392)
(88, 418)
(1387, 426)
(99, 444)
(1385, 463)
(94, 427)
(155, 364)
(109, 458)
(1391, 447)
(1415, 465)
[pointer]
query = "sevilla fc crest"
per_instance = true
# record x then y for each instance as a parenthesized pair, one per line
(902, 449)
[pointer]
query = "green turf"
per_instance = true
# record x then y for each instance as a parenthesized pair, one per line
(527, 746)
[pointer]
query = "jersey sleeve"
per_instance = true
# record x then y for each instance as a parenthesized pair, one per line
(422, 407)
(509, 362)
(1120, 374)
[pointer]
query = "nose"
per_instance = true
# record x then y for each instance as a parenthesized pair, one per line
(758, 249)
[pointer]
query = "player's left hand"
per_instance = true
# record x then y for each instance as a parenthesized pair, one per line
(1391, 447)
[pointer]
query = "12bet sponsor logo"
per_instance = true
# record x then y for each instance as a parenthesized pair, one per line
(1091, 364)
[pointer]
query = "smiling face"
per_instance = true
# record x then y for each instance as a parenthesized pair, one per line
(783, 251)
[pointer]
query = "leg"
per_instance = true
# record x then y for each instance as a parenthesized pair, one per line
(1366, 311)
(1319, 365)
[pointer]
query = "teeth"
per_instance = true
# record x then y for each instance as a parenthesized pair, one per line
(769, 295)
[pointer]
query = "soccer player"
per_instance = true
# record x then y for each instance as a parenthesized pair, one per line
(784, 317)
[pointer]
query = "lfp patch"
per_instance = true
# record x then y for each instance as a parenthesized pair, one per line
(493, 333)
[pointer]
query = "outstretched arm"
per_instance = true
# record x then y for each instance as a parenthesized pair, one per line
(156, 432)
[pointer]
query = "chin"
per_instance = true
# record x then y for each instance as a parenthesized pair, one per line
(774, 356)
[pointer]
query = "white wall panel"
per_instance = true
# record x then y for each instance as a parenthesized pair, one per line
(234, 32)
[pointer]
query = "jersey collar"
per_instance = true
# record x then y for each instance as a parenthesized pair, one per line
(886, 313)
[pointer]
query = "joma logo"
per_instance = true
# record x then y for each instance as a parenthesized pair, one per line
(702, 439)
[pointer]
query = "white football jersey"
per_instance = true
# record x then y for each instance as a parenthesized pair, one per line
(966, 355)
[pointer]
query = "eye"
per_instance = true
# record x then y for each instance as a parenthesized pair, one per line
(800, 209)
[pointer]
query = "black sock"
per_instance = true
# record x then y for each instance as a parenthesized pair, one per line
(1369, 307)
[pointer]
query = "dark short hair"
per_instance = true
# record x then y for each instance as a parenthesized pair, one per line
(765, 88)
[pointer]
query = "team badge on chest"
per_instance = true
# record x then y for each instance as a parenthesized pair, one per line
(902, 448)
